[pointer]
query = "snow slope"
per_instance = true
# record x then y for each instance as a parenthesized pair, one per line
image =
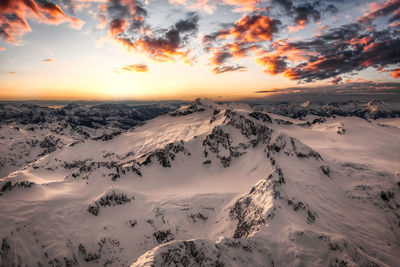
(211, 185)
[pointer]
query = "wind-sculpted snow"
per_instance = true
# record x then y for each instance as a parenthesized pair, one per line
(211, 184)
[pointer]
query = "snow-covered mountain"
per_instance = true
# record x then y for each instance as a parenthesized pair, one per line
(29, 131)
(209, 184)
(372, 109)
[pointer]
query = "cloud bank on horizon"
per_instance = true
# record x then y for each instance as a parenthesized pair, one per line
(303, 40)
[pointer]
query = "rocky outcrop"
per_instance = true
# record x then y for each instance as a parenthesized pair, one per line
(250, 211)
(107, 136)
(108, 200)
(261, 116)
(195, 106)
(219, 141)
(290, 146)
(49, 144)
(165, 155)
(87, 167)
(341, 130)
(8, 186)
(256, 133)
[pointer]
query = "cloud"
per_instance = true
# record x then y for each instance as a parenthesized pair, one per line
(243, 5)
(223, 69)
(136, 68)
(266, 91)
(14, 17)
(210, 5)
(12, 72)
(48, 60)
(378, 10)
(207, 5)
(240, 38)
(336, 80)
(127, 25)
(333, 92)
(168, 44)
(396, 73)
(274, 64)
(250, 28)
(305, 12)
(345, 50)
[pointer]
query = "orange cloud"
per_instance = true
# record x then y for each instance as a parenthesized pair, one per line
(210, 5)
(135, 67)
(301, 24)
(396, 73)
(320, 29)
(254, 28)
(336, 80)
(224, 69)
(377, 10)
(243, 5)
(15, 13)
(127, 26)
(274, 64)
(291, 52)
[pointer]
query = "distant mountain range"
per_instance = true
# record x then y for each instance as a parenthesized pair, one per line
(372, 109)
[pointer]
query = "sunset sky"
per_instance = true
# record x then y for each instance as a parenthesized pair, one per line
(182, 49)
